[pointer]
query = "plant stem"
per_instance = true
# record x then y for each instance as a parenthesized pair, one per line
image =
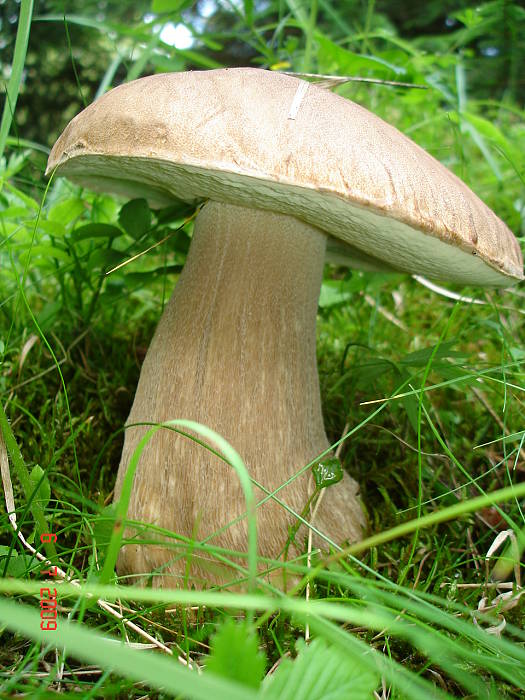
(23, 476)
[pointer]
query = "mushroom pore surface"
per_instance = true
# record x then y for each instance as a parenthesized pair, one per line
(234, 350)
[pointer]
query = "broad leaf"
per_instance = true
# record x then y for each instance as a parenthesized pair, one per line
(67, 211)
(235, 655)
(320, 672)
(326, 472)
(135, 217)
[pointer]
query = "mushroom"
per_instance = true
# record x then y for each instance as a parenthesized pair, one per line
(287, 171)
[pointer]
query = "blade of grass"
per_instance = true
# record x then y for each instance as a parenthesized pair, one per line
(138, 66)
(248, 12)
(22, 474)
(421, 399)
(441, 516)
(19, 57)
(73, 63)
(310, 29)
(500, 654)
(108, 76)
(143, 666)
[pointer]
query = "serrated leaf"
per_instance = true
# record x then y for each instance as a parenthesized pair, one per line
(38, 477)
(235, 655)
(320, 672)
(135, 217)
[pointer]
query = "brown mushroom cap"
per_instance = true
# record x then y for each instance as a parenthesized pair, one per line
(270, 141)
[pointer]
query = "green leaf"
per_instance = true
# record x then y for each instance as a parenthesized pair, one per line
(83, 233)
(327, 472)
(47, 252)
(104, 258)
(38, 477)
(49, 313)
(17, 66)
(167, 64)
(199, 59)
(370, 370)
(15, 212)
(146, 276)
(103, 526)
(54, 228)
(320, 672)
(169, 5)
(181, 243)
(469, 17)
(235, 655)
(17, 566)
(211, 43)
(490, 131)
(420, 358)
(66, 211)
(174, 212)
(410, 404)
(135, 217)
(333, 294)
(334, 59)
(28, 201)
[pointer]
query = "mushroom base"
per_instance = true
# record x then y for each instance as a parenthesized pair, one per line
(234, 350)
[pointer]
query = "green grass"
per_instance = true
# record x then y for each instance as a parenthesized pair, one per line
(22, 38)
(439, 453)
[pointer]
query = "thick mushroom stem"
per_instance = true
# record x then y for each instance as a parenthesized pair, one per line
(234, 350)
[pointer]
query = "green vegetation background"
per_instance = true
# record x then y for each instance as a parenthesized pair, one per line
(410, 620)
